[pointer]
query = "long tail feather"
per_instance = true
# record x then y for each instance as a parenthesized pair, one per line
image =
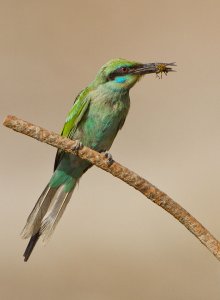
(55, 212)
(40, 209)
(45, 215)
(31, 246)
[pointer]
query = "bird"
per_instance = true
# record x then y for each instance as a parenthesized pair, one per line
(97, 114)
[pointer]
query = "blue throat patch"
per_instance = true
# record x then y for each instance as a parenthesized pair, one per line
(120, 79)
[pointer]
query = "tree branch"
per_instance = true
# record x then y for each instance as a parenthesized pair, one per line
(123, 173)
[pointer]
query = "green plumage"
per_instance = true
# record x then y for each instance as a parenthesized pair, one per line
(98, 113)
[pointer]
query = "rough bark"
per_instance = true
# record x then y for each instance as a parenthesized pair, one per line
(123, 173)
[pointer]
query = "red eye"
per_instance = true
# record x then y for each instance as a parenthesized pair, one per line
(124, 69)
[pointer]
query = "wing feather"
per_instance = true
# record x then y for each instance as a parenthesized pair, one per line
(73, 119)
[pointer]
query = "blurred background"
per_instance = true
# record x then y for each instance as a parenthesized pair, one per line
(112, 242)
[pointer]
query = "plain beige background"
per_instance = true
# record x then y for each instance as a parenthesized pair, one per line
(113, 243)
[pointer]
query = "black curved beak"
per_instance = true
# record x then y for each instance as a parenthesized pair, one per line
(154, 68)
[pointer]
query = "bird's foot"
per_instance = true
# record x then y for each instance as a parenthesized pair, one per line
(77, 146)
(109, 158)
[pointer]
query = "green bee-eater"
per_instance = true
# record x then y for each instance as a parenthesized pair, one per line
(97, 114)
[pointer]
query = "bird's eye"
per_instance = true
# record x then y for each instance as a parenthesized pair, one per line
(120, 71)
(124, 69)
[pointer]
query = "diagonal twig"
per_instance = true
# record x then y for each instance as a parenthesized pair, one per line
(123, 173)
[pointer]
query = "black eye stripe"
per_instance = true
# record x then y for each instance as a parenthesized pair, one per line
(122, 71)
(119, 71)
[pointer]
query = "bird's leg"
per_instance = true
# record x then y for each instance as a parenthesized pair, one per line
(77, 146)
(109, 157)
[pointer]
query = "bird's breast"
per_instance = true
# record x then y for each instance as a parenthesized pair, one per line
(101, 123)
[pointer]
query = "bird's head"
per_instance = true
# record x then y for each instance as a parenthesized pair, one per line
(121, 74)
